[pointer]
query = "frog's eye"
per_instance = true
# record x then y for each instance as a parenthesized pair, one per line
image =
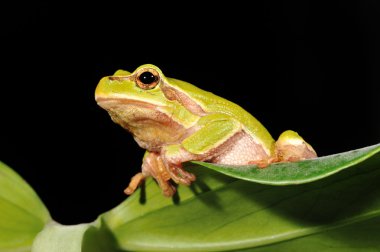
(147, 78)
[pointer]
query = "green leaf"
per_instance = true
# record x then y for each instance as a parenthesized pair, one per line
(22, 214)
(362, 236)
(217, 213)
(220, 213)
(57, 237)
(86, 237)
(297, 172)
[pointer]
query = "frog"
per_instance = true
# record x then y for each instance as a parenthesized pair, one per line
(177, 122)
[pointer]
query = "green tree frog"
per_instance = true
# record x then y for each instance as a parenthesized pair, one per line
(176, 122)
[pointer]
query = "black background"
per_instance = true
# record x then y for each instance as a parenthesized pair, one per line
(308, 66)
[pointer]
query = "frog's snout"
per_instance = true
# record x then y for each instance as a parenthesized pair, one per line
(101, 88)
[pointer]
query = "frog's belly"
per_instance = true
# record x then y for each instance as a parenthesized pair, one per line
(241, 149)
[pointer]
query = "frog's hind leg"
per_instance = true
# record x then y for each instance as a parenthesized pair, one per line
(291, 147)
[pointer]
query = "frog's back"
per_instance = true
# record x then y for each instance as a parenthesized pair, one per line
(212, 103)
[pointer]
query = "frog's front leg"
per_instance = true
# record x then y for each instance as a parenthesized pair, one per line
(202, 145)
(173, 156)
(152, 166)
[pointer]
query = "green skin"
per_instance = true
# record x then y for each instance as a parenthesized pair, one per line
(176, 122)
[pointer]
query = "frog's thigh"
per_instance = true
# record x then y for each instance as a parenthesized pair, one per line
(212, 135)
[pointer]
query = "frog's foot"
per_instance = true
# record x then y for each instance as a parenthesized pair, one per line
(179, 175)
(290, 147)
(154, 166)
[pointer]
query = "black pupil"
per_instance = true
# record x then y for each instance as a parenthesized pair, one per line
(147, 78)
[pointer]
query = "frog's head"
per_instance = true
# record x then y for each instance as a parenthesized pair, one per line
(147, 86)
(145, 102)
(142, 85)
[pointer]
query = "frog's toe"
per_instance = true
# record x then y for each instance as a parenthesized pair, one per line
(167, 188)
(135, 182)
(259, 163)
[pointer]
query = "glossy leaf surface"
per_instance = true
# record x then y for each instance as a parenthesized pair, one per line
(22, 214)
(339, 210)
(297, 172)
(223, 213)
